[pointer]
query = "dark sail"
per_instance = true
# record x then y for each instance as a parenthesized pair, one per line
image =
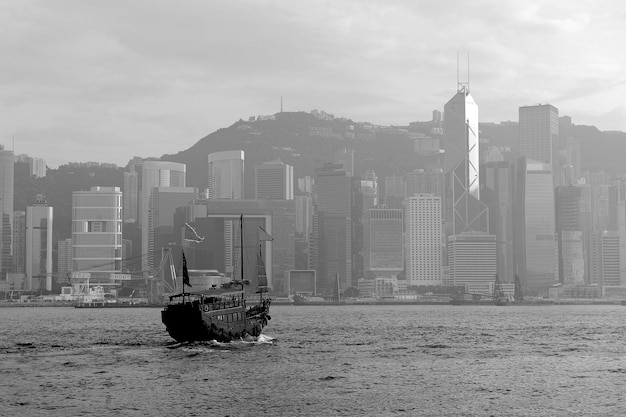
(185, 272)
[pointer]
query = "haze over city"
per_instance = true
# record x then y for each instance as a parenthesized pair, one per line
(85, 81)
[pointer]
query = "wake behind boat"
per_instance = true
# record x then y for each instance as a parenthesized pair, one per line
(223, 314)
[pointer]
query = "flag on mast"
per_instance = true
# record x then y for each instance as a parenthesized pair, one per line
(263, 235)
(185, 272)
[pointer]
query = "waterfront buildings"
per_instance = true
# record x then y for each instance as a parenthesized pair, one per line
(226, 175)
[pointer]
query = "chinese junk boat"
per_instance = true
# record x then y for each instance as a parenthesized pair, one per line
(224, 313)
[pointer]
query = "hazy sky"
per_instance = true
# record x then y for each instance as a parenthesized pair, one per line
(105, 81)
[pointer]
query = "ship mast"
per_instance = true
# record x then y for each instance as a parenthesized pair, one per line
(241, 248)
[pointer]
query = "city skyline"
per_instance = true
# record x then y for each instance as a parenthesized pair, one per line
(83, 77)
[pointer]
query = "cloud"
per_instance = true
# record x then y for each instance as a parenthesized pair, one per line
(152, 77)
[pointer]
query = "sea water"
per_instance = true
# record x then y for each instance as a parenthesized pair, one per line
(319, 361)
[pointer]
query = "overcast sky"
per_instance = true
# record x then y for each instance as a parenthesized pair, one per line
(107, 80)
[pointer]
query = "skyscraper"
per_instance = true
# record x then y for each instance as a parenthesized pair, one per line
(497, 192)
(569, 235)
(539, 135)
(155, 174)
(610, 258)
(39, 245)
(423, 239)
(277, 217)
(162, 231)
(369, 190)
(131, 196)
(394, 191)
(64, 260)
(472, 259)
(6, 210)
(37, 167)
(226, 174)
(535, 250)
(19, 242)
(463, 208)
(97, 232)
(334, 219)
(422, 181)
(345, 157)
(382, 241)
(273, 181)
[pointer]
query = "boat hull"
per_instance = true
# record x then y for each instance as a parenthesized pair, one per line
(189, 322)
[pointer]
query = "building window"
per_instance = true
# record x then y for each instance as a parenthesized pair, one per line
(95, 226)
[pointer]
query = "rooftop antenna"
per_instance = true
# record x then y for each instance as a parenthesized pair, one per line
(462, 87)
(458, 84)
(468, 78)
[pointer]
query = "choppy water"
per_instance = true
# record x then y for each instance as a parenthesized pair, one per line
(322, 361)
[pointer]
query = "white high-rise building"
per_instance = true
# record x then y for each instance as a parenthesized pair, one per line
(37, 167)
(472, 259)
(423, 239)
(610, 258)
(460, 137)
(463, 208)
(226, 174)
(97, 232)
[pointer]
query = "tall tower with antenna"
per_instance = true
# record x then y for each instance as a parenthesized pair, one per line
(461, 156)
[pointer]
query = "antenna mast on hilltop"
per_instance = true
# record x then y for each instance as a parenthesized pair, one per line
(281, 104)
